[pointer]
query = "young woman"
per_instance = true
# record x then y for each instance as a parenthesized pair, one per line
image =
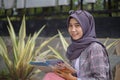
(86, 54)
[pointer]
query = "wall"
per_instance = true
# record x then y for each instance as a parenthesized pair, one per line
(105, 27)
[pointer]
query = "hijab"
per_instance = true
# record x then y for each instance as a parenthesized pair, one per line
(86, 20)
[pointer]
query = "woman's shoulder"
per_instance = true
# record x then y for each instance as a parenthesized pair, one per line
(96, 45)
(96, 48)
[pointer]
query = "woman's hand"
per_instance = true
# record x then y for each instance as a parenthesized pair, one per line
(61, 70)
(65, 75)
(64, 67)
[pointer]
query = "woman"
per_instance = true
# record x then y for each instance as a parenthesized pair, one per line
(86, 54)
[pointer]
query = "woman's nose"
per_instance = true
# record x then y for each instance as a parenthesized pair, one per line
(73, 28)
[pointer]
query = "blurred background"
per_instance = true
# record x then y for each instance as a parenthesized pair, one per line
(56, 7)
(53, 14)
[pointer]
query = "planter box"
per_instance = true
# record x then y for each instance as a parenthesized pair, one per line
(63, 2)
(90, 1)
(20, 3)
(41, 3)
(35, 3)
(0, 3)
(8, 4)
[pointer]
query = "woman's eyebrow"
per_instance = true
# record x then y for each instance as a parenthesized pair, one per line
(77, 23)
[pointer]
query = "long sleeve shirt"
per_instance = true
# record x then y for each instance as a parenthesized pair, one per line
(92, 64)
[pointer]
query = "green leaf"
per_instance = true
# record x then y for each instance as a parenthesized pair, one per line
(56, 53)
(112, 44)
(105, 43)
(44, 44)
(43, 54)
(22, 31)
(62, 39)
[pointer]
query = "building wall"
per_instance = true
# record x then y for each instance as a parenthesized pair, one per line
(105, 27)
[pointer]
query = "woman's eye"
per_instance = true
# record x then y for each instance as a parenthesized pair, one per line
(70, 25)
(77, 26)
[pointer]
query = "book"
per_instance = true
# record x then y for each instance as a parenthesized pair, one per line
(46, 62)
(48, 65)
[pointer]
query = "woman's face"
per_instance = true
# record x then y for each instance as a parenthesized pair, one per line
(75, 29)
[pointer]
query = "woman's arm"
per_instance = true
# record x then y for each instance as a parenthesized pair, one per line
(98, 65)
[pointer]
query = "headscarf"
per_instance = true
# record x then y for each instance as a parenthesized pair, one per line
(86, 20)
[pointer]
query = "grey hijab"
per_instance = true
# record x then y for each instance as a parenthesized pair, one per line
(86, 21)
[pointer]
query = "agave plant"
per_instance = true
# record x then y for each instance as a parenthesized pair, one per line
(64, 43)
(108, 46)
(23, 51)
(114, 59)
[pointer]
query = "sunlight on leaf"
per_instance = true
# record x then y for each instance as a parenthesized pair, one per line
(62, 39)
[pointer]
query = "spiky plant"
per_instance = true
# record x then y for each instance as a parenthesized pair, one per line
(23, 51)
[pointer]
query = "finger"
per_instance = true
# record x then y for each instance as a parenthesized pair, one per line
(60, 74)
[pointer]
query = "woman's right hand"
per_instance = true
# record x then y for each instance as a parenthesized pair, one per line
(65, 74)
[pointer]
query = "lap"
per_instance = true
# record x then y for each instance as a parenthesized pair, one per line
(52, 76)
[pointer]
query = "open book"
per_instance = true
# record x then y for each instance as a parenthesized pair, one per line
(48, 65)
